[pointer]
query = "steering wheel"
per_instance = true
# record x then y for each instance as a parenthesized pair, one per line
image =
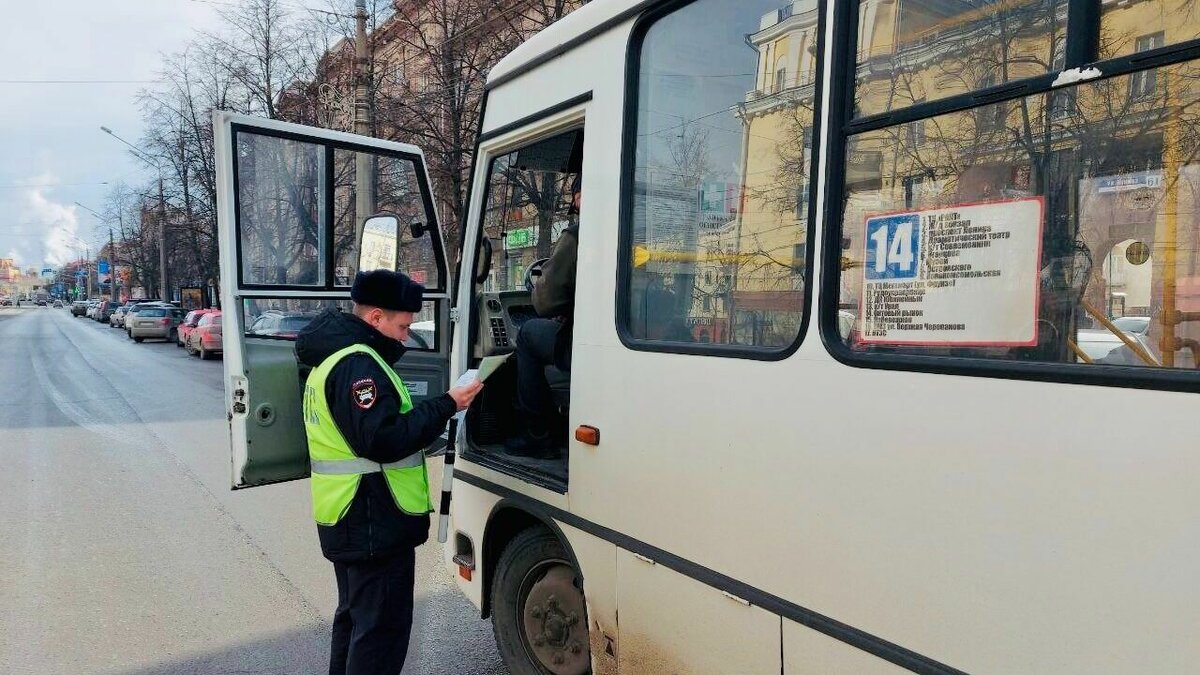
(534, 270)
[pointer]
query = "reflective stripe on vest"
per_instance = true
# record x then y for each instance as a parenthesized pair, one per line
(336, 470)
(361, 466)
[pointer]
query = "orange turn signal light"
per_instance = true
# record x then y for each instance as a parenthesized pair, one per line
(588, 435)
(464, 572)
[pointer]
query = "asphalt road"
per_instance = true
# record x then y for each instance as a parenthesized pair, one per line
(122, 548)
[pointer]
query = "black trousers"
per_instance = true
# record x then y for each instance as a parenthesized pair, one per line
(536, 343)
(374, 616)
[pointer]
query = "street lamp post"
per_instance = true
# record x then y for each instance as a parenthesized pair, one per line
(87, 255)
(162, 214)
(112, 257)
(364, 203)
(87, 265)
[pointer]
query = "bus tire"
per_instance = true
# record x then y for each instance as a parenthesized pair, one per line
(538, 612)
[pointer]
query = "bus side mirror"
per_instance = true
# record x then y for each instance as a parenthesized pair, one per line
(417, 228)
(377, 248)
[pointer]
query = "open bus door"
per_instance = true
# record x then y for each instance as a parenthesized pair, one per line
(300, 211)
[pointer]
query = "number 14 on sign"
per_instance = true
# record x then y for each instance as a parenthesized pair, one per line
(892, 246)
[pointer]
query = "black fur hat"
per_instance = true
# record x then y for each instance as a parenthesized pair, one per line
(387, 290)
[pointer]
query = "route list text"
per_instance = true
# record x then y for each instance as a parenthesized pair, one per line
(964, 275)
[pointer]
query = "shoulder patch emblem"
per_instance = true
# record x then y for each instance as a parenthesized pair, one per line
(364, 393)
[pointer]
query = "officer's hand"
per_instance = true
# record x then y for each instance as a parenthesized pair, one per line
(465, 394)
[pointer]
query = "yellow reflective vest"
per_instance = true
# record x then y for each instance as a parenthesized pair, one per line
(336, 470)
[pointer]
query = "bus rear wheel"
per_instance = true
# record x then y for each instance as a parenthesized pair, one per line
(538, 611)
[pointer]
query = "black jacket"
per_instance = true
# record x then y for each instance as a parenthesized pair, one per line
(371, 423)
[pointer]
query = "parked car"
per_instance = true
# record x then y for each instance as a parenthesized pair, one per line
(280, 325)
(189, 324)
(1102, 346)
(105, 311)
(93, 307)
(6, 302)
(1138, 325)
(160, 322)
(205, 339)
(131, 313)
(117, 320)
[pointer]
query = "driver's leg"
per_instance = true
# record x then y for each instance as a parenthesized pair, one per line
(535, 350)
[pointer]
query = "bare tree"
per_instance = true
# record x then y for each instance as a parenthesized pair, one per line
(263, 48)
(274, 59)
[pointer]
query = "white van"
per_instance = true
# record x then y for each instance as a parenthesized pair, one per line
(827, 409)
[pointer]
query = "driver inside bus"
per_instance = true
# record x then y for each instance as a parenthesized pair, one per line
(546, 341)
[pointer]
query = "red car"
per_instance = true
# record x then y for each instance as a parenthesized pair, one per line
(205, 338)
(189, 324)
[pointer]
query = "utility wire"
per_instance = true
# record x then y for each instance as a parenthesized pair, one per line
(81, 81)
(235, 5)
(17, 186)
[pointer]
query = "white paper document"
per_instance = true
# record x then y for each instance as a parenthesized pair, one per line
(491, 364)
(487, 366)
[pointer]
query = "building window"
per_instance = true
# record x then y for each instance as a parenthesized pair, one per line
(914, 188)
(993, 116)
(799, 257)
(1143, 84)
(916, 130)
(864, 168)
(916, 133)
(1061, 102)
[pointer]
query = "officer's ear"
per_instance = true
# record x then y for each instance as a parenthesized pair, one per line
(370, 315)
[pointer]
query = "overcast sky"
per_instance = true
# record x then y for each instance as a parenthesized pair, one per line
(54, 153)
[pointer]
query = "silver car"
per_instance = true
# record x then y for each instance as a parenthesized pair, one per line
(131, 313)
(155, 321)
(117, 320)
(1101, 346)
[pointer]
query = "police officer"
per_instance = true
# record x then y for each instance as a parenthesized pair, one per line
(369, 485)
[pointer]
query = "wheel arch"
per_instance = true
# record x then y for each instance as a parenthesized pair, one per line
(507, 519)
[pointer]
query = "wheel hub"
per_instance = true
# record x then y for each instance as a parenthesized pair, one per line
(554, 623)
